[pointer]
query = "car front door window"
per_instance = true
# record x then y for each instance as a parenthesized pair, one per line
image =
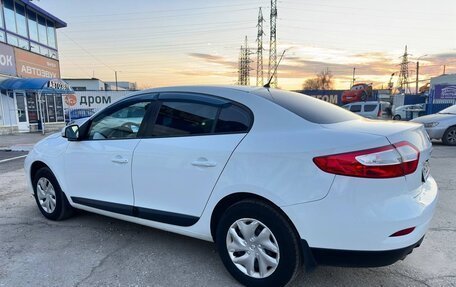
(122, 123)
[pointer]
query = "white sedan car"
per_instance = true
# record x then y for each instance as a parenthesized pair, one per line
(276, 179)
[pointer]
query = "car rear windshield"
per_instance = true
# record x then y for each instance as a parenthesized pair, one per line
(311, 109)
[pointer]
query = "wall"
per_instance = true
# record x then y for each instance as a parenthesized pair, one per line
(8, 109)
(91, 85)
(331, 96)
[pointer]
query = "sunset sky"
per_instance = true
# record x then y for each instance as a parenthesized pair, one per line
(157, 43)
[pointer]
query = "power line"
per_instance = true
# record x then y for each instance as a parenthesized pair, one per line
(161, 11)
(90, 54)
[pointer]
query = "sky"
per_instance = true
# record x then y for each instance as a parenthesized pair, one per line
(176, 42)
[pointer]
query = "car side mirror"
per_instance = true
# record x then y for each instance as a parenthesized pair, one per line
(71, 133)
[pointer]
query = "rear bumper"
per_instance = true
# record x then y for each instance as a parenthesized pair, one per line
(353, 258)
(360, 215)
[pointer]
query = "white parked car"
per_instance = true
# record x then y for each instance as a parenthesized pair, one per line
(277, 179)
(370, 109)
(400, 113)
(441, 125)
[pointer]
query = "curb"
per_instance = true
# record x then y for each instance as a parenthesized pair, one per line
(19, 147)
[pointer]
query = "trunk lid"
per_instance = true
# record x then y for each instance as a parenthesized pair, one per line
(396, 132)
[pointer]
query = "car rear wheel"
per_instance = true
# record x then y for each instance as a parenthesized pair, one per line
(397, 118)
(49, 197)
(257, 245)
(449, 137)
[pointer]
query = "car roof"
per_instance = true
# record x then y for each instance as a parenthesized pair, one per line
(204, 88)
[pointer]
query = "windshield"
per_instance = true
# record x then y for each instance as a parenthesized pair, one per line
(311, 109)
(449, 110)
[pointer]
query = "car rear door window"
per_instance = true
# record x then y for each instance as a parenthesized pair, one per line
(355, 108)
(233, 119)
(181, 118)
(369, 108)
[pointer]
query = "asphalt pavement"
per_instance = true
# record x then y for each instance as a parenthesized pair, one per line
(93, 250)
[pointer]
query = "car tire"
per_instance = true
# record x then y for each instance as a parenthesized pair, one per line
(397, 118)
(364, 96)
(279, 253)
(49, 197)
(449, 137)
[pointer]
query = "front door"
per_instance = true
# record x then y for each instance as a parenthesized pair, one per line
(21, 112)
(98, 167)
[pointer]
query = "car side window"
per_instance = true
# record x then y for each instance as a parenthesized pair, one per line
(179, 118)
(233, 119)
(369, 108)
(355, 108)
(122, 123)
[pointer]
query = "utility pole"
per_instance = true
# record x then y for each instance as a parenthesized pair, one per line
(259, 70)
(117, 88)
(353, 81)
(273, 43)
(417, 76)
(444, 69)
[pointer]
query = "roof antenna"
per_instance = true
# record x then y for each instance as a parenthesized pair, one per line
(268, 84)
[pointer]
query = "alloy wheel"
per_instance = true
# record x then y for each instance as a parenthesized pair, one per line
(451, 136)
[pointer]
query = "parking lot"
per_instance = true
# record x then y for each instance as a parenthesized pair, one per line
(92, 250)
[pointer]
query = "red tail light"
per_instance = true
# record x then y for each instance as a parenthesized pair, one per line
(403, 232)
(379, 111)
(384, 162)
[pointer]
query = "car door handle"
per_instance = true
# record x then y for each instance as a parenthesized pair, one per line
(119, 159)
(203, 162)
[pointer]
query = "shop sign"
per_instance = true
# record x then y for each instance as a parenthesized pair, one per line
(58, 85)
(445, 92)
(7, 61)
(30, 65)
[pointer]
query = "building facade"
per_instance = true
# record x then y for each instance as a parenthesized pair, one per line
(94, 84)
(28, 49)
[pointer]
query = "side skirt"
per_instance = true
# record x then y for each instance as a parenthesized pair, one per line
(140, 212)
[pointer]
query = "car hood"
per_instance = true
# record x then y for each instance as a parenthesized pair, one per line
(433, 118)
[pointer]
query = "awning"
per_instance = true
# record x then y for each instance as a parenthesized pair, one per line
(44, 85)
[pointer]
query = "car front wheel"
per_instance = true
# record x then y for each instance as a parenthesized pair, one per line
(397, 118)
(257, 245)
(49, 197)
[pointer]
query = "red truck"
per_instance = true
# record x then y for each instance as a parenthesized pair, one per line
(357, 93)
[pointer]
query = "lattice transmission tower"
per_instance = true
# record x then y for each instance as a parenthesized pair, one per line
(273, 43)
(244, 65)
(403, 81)
(259, 69)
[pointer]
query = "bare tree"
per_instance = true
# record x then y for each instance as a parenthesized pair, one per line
(322, 81)
(311, 84)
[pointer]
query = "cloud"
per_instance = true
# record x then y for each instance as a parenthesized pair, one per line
(215, 59)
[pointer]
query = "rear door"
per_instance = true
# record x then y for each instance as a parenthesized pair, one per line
(189, 142)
